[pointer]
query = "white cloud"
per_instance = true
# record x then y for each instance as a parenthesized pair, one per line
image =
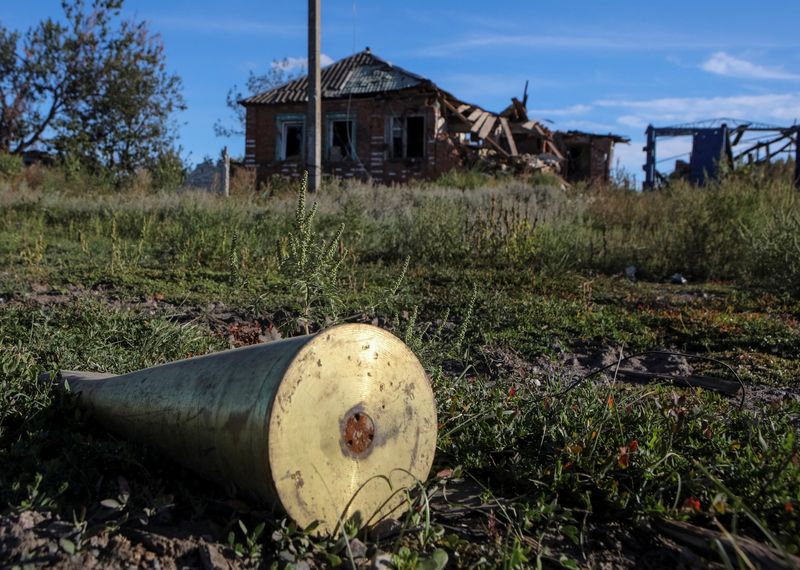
(626, 41)
(631, 157)
(487, 88)
(578, 109)
(299, 63)
(632, 121)
(722, 63)
(776, 107)
(669, 150)
(521, 41)
(580, 125)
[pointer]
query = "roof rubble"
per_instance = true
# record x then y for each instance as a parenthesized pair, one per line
(493, 136)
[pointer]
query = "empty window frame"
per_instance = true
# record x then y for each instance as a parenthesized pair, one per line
(292, 141)
(341, 138)
(291, 137)
(415, 137)
(407, 137)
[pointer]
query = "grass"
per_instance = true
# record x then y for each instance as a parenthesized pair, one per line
(492, 286)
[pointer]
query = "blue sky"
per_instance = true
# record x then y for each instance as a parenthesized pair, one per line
(611, 66)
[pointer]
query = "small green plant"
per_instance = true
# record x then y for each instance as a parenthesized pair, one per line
(168, 171)
(236, 269)
(10, 165)
(251, 547)
(392, 293)
(34, 254)
(311, 265)
(413, 335)
(462, 179)
(144, 236)
(407, 559)
(35, 497)
(117, 247)
(462, 330)
(518, 557)
(301, 542)
(21, 395)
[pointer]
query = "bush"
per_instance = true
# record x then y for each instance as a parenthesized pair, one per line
(539, 179)
(279, 185)
(741, 229)
(168, 172)
(20, 392)
(463, 179)
(10, 165)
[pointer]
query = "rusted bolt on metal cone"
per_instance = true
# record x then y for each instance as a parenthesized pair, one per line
(326, 426)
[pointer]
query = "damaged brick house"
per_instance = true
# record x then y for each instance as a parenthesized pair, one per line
(384, 123)
(580, 155)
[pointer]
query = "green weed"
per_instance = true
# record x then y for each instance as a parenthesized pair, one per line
(493, 288)
(311, 265)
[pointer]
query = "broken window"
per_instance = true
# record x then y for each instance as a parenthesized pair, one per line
(415, 137)
(578, 161)
(407, 137)
(341, 139)
(396, 134)
(291, 140)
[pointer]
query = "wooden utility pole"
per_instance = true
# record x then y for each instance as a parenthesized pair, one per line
(226, 172)
(313, 138)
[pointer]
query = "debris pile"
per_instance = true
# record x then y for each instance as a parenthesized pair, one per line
(513, 142)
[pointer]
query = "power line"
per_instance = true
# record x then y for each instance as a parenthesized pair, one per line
(673, 157)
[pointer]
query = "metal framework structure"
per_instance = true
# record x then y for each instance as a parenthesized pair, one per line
(722, 141)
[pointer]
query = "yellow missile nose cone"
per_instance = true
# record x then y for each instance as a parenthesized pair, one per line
(353, 423)
(327, 426)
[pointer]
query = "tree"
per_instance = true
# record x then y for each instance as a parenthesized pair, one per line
(95, 89)
(279, 73)
(37, 77)
(122, 119)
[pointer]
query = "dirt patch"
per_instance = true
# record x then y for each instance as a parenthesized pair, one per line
(579, 364)
(587, 361)
(461, 507)
(37, 538)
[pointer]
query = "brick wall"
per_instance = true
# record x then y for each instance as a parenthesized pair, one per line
(372, 149)
(596, 157)
(602, 156)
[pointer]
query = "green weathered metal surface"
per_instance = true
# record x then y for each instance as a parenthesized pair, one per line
(311, 424)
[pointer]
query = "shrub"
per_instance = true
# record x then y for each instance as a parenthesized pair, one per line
(243, 180)
(168, 171)
(540, 178)
(463, 179)
(10, 165)
(20, 393)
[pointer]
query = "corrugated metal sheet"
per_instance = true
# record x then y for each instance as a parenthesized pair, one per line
(359, 74)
